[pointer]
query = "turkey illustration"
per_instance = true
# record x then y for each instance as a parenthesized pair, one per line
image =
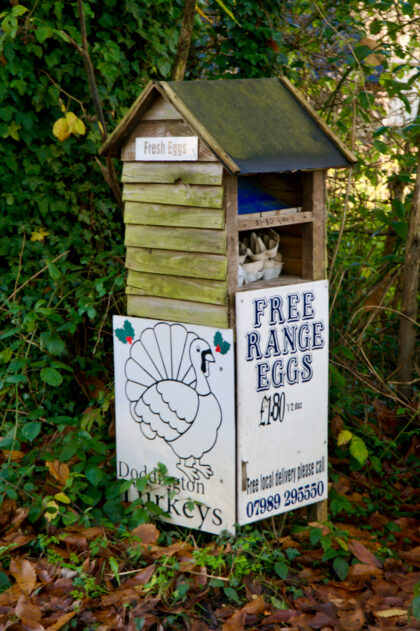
(170, 397)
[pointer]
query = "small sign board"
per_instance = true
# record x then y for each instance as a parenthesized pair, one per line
(282, 392)
(167, 149)
(175, 404)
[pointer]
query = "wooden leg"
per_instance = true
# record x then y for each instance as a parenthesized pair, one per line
(318, 512)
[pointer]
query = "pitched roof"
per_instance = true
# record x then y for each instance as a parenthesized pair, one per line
(252, 125)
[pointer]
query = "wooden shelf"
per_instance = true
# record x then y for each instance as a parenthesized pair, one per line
(283, 279)
(247, 222)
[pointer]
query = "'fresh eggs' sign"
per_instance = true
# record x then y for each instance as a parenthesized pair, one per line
(167, 148)
(282, 391)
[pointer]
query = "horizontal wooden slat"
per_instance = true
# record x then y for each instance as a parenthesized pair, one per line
(177, 310)
(177, 287)
(161, 110)
(283, 279)
(174, 263)
(179, 194)
(251, 222)
(209, 173)
(183, 239)
(151, 129)
(165, 215)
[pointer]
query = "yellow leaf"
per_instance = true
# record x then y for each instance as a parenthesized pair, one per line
(203, 15)
(342, 543)
(53, 510)
(390, 613)
(79, 127)
(71, 118)
(75, 124)
(39, 235)
(62, 497)
(61, 129)
(344, 437)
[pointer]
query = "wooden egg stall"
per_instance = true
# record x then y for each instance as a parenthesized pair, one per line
(221, 364)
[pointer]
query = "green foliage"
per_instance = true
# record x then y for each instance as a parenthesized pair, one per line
(61, 239)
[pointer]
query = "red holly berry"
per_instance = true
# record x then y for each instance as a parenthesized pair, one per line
(217, 349)
(129, 339)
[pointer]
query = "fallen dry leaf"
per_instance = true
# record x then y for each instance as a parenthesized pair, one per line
(147, 533)
(390, 613)
(26, 611)
(59, 470)
(352, 620)
(412, 556)
(254, 606)
(61, 621)
(235, 622)
(23, 571)
(363, 554)
(362, 572)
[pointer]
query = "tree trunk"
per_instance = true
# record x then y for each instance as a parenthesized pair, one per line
(184, 41)
(410, 280)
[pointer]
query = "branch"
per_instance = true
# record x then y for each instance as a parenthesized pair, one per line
(184, 41)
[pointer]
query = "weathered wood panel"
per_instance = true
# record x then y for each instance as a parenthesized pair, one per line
(183, 239)
(166, 215)
(177, 287)
(161, 110)
(173, 172)
(180, 194)
(177, 310)
(265, 220)
(151, 129)
(292, 266)
(287, 187)
(174, 263)
(231, 204)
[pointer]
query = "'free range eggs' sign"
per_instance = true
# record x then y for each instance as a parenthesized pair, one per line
(282, 385)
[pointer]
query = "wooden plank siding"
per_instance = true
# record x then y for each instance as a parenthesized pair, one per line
(174, 263)
(175, 230)
(179, 194)
(182, 239)
(167, 215)
(178, 287)
(210, 173)
(177, 310)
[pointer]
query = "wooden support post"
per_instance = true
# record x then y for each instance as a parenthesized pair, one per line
(313, 265)
(231, 205)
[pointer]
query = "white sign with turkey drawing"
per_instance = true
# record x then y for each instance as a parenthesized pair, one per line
(174, 394)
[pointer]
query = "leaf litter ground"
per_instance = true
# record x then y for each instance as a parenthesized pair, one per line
(357, 572)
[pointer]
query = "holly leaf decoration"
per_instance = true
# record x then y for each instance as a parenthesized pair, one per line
(221, 345)
(126, 334)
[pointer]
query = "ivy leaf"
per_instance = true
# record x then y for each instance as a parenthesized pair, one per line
(31, 430)
(415, 607)
(341, 568)
(358, 449)
(281, 569)
(62, 497)
(344, 437)
(94, 474)
(232, 594)
(4, 582)
(51, 376)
